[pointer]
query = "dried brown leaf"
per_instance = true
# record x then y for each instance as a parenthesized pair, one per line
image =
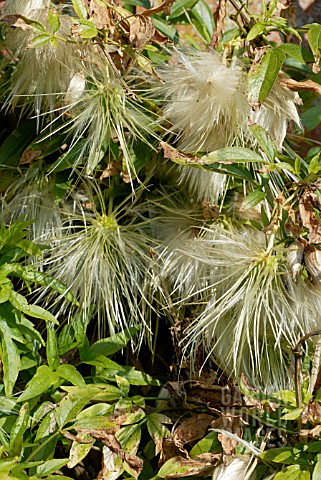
(295, 86)
(192, 429)
(219, 18)
(169, 449)
(163, 7)
(311, 414)
(310, 211)
(29, 155)
(314, 432)
(141, 31)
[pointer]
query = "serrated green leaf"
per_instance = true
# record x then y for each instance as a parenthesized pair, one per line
(230, 155)
(262, 76)
(41, 382)
(80, 8)
(70, 373)
(253, 199)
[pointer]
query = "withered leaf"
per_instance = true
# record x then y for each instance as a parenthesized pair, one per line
(29, 155)
(173, 154)
(141, 30)
(109, 171)
(169, 449)
(311, 413)
(314, 432)
(310, 211)
(192, 429)
(163, 7)
(102, 16)
(178, 467)
(230, 423)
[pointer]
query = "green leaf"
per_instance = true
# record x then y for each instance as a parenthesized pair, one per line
(54, 21)
(51, 466)
(123, 385)
(109, 346)
(314, 165)
(265, 142)
(41, 382)
(52, 348)
(203, 15)
(282, 455)
(161, 25)
(88, 32)
(208, 444)
(10, 352)
(38, 312)
(256, 30)
(316, 475)
(180, 6)
(293, 415)
(129, 438)
(314, 38)
(15, 144)
(236, 171)
(157, 429)
(73, 403)
(48, 281)
(78, 450)
(253, 199)
(294, 472)
(80, 9)
(297, 51)
(18, 430)
(70, 373)
(311, 118)
(229, 155)
(40, 40)
(94, 423)
(262, 76)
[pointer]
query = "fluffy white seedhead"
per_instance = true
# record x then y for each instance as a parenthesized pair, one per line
(205, 100)
(238, 469)
(254, 309)
(31, 198)
(26, 8)
(42, 73)
(277, 111)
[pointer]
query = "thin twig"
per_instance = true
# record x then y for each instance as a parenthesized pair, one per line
(219, 17)
(240, 8)
(315, 367)
(297, 351)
